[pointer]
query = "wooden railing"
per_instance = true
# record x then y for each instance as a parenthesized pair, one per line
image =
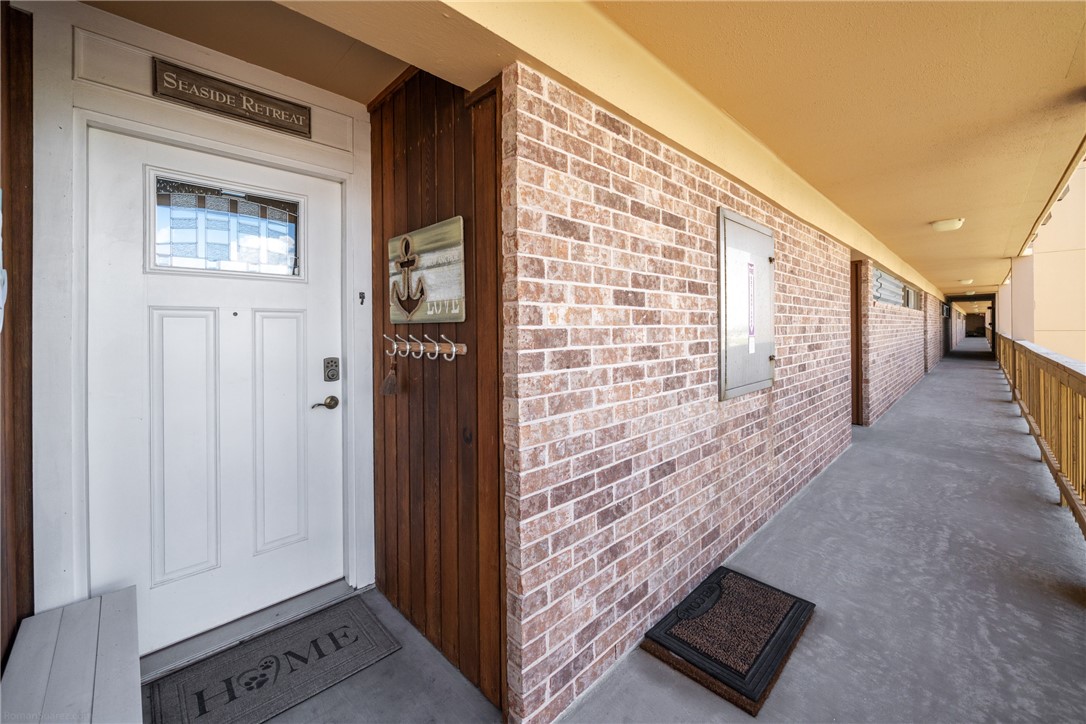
(1051, 391)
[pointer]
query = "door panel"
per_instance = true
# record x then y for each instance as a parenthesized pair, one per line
(280, 407)
(184, 442)
(214, 487)
(438, 466)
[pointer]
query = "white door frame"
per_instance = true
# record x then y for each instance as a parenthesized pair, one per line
(73, 94)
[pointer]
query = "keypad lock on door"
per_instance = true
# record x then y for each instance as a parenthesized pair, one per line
(331, 369)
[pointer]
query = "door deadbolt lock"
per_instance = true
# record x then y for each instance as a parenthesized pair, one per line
(331, 369)
(331, 402)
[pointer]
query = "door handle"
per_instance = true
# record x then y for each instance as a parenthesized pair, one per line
(331, 402)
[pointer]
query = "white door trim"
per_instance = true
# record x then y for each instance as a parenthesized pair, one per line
(65, 108)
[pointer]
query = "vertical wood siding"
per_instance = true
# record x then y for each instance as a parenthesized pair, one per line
(438, 453)
(857, 299)
(16, 550)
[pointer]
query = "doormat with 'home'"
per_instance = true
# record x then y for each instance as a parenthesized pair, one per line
(733, 635)
(257, 679)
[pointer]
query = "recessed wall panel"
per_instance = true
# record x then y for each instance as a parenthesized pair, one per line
(184, 442)
(279, 425)
(747, 342)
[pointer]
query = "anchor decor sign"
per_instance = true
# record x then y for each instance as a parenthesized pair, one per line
(426, 274)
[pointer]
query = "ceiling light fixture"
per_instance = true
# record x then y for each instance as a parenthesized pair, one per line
(970, 293)
(965, 281)
(948, 224)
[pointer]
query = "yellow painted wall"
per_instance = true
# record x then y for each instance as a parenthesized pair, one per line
(1022, 300)
(1059, 274)
(1003, 310)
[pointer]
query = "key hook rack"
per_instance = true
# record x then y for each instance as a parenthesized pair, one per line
(431, 348)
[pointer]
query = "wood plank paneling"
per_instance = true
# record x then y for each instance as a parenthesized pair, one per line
(69, 694)
(17, 180)
(398, 171)
(856, 294)
(416, 446)
(440, 539)
(390, 407)
(487, 152)
(117, 669)
(24, 685)
(450, 449)
(431, 468)
(466, 410)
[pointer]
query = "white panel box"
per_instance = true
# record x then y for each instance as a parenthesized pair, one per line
(747, 345)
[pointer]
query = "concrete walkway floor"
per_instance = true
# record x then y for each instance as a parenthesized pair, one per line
(415, 685)
(949, 584)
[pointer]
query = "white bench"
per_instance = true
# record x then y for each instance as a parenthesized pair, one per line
(78, 663)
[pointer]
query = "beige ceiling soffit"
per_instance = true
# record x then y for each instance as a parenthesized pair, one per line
(408, 73)
(583, 45)
(427, 35)
(468, 43)
(1064, 180)
(276, 39)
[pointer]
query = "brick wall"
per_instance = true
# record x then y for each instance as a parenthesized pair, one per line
(893, 350)
(933, 331)
(627, 480)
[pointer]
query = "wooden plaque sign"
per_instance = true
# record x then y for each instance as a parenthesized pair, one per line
(192, 88)
(426, 274)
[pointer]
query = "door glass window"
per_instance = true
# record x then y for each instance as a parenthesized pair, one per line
(205, 228)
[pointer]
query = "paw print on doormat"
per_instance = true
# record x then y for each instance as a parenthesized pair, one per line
(253, 679)
(267, 671)
(268, 663)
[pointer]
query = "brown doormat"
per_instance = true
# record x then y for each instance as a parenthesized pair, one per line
(266, 675)
(733, 635)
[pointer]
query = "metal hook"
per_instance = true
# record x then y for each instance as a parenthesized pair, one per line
(430, 339)
(406, 346)
(452, 345)
(391, 353)
(419, 343)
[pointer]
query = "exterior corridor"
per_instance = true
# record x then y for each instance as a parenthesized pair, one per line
(519, 319)
(949, 584)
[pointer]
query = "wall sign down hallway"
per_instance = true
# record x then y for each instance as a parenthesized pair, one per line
(439, 487)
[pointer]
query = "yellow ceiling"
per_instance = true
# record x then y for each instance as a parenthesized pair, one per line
(900, 113)
(974, 307)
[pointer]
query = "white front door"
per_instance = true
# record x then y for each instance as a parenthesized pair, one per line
(214, 300)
